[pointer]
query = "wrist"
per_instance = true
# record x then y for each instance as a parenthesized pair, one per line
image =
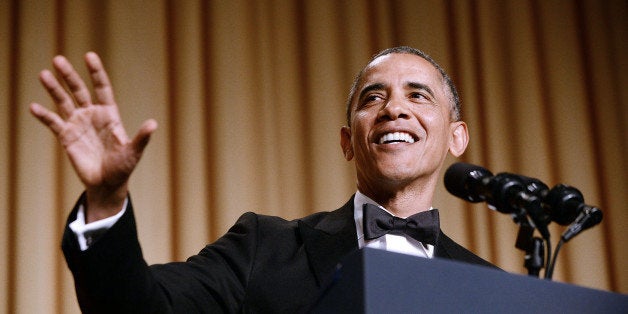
(104, 202)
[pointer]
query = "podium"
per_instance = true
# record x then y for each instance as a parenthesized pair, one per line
(376, 281)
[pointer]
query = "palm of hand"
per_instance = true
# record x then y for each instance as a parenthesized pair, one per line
(98, 146)
(92, 134)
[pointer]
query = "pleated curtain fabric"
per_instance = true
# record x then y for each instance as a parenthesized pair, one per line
(250, 97)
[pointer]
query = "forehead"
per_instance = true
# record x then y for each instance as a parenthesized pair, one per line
(402, 67)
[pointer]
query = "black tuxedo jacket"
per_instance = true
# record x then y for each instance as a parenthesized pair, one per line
(263, 264)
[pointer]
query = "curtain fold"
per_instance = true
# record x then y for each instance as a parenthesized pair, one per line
(250, 97)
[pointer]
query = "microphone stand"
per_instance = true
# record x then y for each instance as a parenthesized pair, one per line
(533, 247)
(535, 255)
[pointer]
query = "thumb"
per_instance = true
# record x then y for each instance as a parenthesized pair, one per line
(143, 136)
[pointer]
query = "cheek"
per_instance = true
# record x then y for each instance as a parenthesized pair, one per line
(360, 117)
(361, 126)
(433, 118)
(437, 128)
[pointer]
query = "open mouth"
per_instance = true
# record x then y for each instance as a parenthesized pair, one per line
(396, 137)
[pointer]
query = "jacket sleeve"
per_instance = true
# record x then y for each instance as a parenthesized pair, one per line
(111, 276)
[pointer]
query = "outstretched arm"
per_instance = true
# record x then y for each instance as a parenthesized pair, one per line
(92, 134)
(112, 275)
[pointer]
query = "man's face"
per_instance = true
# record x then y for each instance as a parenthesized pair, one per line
(401, 128)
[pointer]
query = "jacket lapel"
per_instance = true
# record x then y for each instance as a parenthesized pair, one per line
(327, 238)
(440, 249)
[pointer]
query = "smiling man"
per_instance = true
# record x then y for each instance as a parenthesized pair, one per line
(402, 123)
(403, 118)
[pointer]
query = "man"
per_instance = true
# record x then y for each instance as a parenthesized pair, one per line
(403, 119)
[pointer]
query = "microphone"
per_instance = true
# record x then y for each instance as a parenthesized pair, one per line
(566, 203)
(468, 182)
(589, 217)
(504, 192)
(531, 203)
(561, 202)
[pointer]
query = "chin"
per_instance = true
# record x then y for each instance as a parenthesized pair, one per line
(399, 175)
(406, 173)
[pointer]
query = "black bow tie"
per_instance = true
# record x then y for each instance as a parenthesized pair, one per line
(423, 227)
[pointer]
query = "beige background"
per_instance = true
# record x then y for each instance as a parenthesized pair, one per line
(250, 96)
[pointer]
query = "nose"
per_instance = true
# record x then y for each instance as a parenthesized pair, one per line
(392, 110)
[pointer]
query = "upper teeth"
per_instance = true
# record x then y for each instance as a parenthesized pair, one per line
(396, 137)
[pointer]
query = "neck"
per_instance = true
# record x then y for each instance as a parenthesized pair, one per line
(403, 201)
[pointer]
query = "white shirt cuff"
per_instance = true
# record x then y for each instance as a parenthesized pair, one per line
(88, 233)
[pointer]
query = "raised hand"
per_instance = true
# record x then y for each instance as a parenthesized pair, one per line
(92, 133)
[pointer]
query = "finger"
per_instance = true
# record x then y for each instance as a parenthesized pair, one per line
(73, 80)
(62, 99)
(47, 117)
(143, 136)
(100, 79)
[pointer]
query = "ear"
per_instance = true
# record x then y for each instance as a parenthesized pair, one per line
(459, 138)
(345, 142)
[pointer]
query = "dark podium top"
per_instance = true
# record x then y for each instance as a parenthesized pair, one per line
(376, 281)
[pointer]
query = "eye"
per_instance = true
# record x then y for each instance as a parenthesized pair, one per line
(418, 96)
(372, 98)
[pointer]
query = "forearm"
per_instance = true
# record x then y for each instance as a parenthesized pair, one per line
(112, 276)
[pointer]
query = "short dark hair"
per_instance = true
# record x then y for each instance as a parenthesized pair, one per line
(454, 99)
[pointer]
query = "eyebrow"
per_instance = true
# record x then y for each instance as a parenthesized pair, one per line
(371, 87)
(422, 86)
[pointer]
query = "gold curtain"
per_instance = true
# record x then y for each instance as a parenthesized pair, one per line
(250, 97)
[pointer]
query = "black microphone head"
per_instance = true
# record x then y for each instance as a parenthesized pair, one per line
(465, 180)
(588, 217)
(595, 216)
(534, 186)
(565, 202)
